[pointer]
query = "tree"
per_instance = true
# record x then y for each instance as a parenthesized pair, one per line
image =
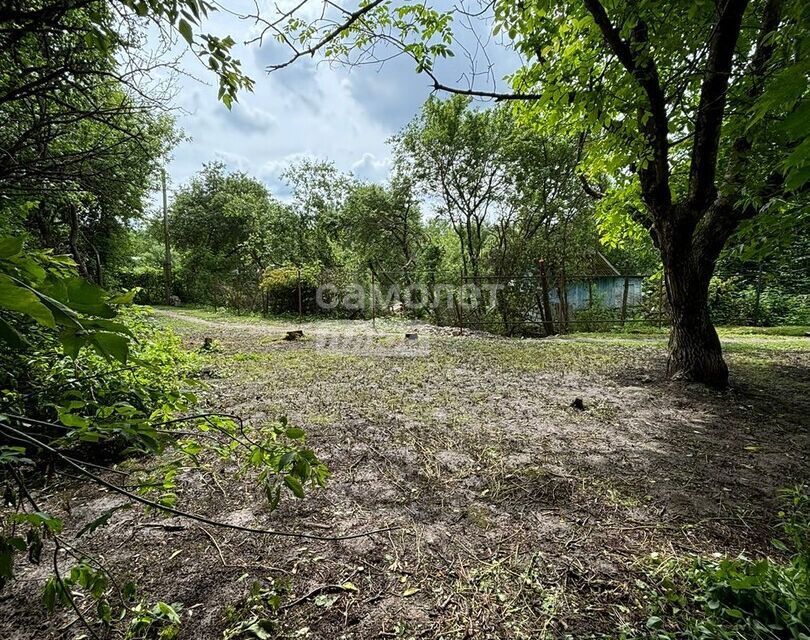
(458, 153)
(382, 226)
(86, 117)
(697, 111)
(218, 222)
(319, 191)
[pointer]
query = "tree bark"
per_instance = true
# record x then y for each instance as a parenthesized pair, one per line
(695, 354)
(548, 319)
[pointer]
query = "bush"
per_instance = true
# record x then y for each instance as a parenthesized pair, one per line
(280, 288)
(96, 400)
(733, 301)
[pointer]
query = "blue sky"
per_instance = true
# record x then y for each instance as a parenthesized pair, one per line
(309, 109)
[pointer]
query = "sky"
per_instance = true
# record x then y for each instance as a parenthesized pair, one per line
(311, 109)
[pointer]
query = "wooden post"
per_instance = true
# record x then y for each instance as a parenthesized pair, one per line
(758, 295)
(624, 298)
(562, 295)
(548, 320)
(373, 302)
(167, 251)
(460, 303)
(300, 304)
(661, 301)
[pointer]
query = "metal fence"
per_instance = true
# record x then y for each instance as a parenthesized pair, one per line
(512, 304)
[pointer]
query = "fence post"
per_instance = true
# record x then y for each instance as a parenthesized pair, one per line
(661, 301)
(373, 302)
(758, 294)
(300, 305)
(548, 323)
(460, 303)
(624, 298)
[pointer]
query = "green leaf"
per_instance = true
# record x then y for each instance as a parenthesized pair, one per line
(110, 345)
(10, 335)
(73, 420)
(102, 520)
(185, 30)
(72, 343)
(654, 622)
(85, 297)
(326, 600)
(295, 486)
(127, 297)
(10, 246)
(295, 433)
(8, 547)
(168, 612)
(39, 519)
(108, 325)
(23, 300)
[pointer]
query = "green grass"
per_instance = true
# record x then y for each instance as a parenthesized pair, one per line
(795, 331)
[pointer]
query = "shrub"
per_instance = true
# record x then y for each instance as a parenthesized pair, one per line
(280, 287)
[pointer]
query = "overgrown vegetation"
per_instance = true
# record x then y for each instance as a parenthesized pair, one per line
(739, 597)
(109, 385)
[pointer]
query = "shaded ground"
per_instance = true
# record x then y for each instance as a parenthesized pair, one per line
(519, 516)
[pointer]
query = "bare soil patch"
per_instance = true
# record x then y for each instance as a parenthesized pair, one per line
(518, 516)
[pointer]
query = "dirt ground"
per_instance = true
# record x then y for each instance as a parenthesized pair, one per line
(514, 515)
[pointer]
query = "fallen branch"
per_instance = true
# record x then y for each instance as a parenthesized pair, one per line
(185, 514)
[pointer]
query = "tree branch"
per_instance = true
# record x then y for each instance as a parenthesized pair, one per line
(654, 178)
(344, 26)
(712, 106)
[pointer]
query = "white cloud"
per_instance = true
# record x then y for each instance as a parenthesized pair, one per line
(371, 168)
(306, 110)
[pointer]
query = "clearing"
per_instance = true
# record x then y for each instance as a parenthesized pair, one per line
(518, 516)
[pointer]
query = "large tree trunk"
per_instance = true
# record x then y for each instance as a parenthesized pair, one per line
(695, 354)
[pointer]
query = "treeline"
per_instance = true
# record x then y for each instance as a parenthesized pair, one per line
(472, 198)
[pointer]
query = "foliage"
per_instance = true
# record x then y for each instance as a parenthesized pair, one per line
(280, 286)
(456, 152)
(44, 384)
(381, 226)
(285, 461)
(220, 223)
(85, 91)
(255, 615)
(319, 191)
(73, 409)
(161, 621)
(721, 597)
(735, 301)
(41, 287)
